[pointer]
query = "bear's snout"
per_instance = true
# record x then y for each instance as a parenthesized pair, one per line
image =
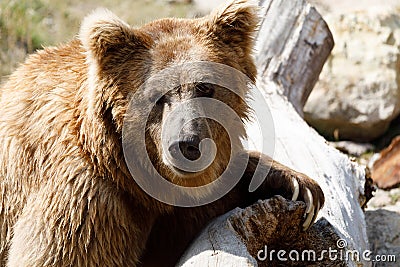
(189, 147)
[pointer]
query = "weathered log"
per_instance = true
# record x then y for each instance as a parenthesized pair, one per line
(253, 237)
(292, 45)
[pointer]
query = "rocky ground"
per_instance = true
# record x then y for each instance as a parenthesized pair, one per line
(358, 98)
(383, 224)
(383, 209)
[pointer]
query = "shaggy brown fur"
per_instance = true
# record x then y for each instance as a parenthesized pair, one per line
(67, 197)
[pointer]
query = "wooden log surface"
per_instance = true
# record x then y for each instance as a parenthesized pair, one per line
(292, 46)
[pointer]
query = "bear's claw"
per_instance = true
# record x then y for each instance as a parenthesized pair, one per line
(307, 190)
(281, 180)
(296, 189)
(309, 214)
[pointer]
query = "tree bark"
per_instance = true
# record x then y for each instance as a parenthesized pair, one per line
(292, 46)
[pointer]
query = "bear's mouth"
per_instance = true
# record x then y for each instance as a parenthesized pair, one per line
(192, 179)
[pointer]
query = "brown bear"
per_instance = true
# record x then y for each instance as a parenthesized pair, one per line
(67, 195)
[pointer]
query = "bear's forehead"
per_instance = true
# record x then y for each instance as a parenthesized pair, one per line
(176, 41)
(170, 26)
(178, 49)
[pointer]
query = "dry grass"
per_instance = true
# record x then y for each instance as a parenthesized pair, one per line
(27, 25)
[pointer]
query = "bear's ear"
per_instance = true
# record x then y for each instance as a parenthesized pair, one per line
(235, 23)
(102, 33)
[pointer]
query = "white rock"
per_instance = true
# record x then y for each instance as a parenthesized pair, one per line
(358, 93)
(347, 6)
(381, 198)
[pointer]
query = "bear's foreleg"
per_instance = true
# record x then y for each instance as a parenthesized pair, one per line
(277, 179)
(85, 222)
(173, 232)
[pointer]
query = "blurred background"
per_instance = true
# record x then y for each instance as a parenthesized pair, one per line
(27, 25)
(355, 105)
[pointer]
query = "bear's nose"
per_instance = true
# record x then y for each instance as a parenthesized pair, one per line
(190, 148)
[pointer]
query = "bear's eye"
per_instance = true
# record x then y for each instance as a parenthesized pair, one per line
(205, 89)
(156, 99)
(162, 100)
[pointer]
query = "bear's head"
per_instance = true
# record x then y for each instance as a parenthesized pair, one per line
(122, 59)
